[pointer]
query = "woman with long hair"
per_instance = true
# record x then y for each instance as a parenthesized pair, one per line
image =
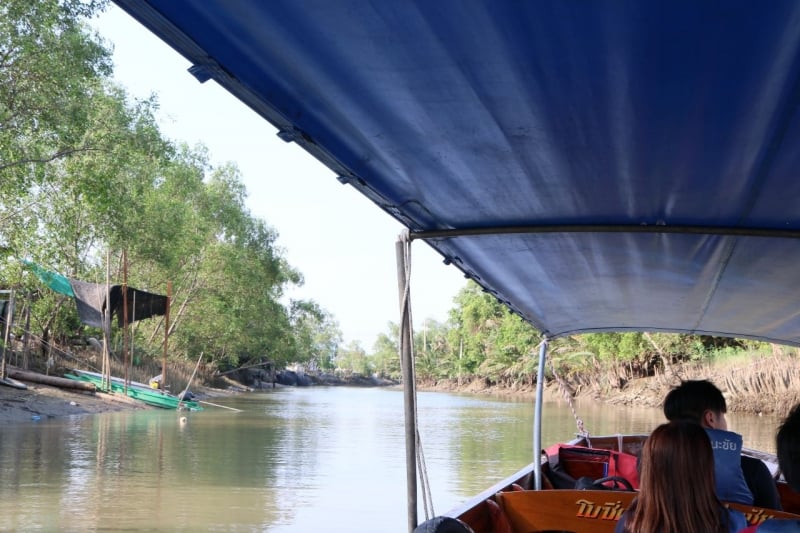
(676, 486)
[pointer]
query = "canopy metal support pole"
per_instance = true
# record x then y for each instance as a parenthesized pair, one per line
(537, 418)
(408, 381)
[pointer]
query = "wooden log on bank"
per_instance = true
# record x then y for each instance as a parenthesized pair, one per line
(54, 381)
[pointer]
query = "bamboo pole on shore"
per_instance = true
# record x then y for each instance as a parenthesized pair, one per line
(166, 337)
(125, 318)
(218, 405)
(106, 316)
(189, 384)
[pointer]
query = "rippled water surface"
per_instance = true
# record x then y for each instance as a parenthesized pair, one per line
(295, 460)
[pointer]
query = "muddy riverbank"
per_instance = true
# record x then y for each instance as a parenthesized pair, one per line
(40, 402)
(768, 385)
(763, 385)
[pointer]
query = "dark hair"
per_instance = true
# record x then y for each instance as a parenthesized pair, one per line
(677, 493)
(691, 399)
(788, 445)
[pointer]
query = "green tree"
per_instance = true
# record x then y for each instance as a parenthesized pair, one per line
(353, 360)
(386, 354)
(231, 275)
(432, 351)
(49, 68)
(317, 335)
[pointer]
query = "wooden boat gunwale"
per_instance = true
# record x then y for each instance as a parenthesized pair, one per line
(114, 379)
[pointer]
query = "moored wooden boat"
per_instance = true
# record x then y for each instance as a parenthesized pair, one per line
(136, 390)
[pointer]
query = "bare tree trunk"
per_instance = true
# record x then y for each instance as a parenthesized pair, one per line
(48, 325)
(193, 288)
(26, 345)
(664, 360)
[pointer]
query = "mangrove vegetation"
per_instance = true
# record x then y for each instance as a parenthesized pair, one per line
(86, 178)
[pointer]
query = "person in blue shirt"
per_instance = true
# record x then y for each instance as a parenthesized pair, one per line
(739, 478)
(788, 444)
(676, 486)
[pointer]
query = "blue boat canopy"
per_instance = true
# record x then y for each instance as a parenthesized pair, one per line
(597, 166)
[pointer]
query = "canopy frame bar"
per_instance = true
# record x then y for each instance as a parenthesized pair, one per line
(728, 231)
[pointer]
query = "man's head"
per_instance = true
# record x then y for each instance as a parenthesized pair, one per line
(788, 445)
(699, 401)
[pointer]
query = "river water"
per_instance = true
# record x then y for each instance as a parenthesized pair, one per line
(294, 460)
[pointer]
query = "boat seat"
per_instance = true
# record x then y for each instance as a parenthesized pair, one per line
(586, 511)
(566, 464)
(575, 511)
(756, 515)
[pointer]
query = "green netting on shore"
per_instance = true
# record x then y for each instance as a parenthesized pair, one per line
(55, 281)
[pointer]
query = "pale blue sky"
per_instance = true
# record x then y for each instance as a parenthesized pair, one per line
(342, 243)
